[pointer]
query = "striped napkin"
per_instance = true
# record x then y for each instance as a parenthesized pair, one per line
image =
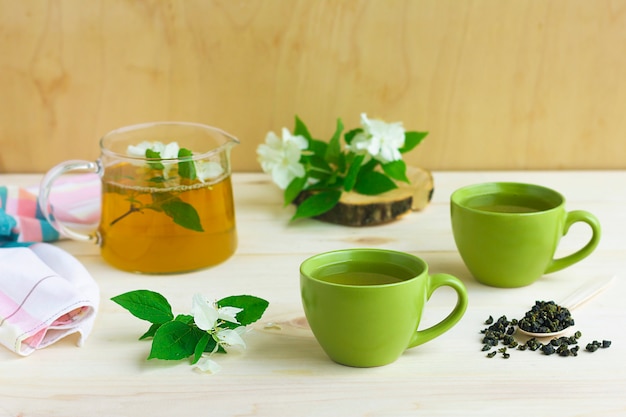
(75, 199)
(45, 295)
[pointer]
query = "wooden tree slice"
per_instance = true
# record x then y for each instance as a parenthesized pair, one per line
(362, 210)
(421, 185)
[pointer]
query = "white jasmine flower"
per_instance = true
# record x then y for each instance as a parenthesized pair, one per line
(232, 337)
(139, 150)
(228, 313)
(208, 365)
(206, 170)
(206, 314)
(281, 157)
(207, 317)
(379, 139)
(169, 151)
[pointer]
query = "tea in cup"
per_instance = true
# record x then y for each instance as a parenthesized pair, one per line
(167, 203)
(364, 305)
(507, 233)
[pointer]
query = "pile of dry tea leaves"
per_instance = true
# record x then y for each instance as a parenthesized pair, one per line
(546, 317)
(543, 317)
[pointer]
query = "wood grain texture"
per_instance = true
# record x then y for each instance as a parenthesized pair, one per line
(499, 85)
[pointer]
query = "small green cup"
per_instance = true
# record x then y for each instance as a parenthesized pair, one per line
(507, 233)
(364, 305)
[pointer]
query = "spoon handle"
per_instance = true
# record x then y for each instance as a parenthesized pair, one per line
(586, 292)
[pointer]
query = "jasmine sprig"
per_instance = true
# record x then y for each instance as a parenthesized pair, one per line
(370, 162)
(158, 158)
(212, 327)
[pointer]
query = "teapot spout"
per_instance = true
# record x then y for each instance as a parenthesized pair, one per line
(228, 141)
(232, 142)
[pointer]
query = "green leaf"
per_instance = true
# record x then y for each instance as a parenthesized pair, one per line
(319, 165)
(157, 180)
(351, 134)
(183, 214)
(327, 182)
(294, 188)
(253, 307)
(184, 318)
(320, 176)
(374, 183)
(317, 204)
(146, 305)
(151, 331)
(341, 163)
(318, 148)
(212, 346)
(150, 154)
(411, 140)
(369, 166)
(353, 172)
(334, 148)
(396, 170)
(300, 129)
(186, 166)
(199, 349)
(174, 341)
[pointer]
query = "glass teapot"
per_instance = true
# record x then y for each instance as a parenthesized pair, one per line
(166, 201)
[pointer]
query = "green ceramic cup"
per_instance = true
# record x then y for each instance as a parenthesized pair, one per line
(508, 233)
(364, 305)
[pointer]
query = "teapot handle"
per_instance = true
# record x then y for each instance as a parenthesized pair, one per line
(44, 197)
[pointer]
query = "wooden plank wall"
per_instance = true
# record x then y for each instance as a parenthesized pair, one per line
(499, 84)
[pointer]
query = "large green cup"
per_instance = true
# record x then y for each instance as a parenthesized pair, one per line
(364, 305)
(508, 233)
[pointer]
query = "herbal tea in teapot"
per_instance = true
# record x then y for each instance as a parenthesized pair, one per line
(167, 203)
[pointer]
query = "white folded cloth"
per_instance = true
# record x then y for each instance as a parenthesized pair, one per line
(45, 295)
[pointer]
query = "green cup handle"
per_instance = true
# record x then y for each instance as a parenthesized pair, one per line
(436, 281)
(574, 217)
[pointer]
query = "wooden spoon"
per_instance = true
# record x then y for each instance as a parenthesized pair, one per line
(574, 300)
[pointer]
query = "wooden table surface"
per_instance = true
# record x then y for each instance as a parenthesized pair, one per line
(284, 372)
